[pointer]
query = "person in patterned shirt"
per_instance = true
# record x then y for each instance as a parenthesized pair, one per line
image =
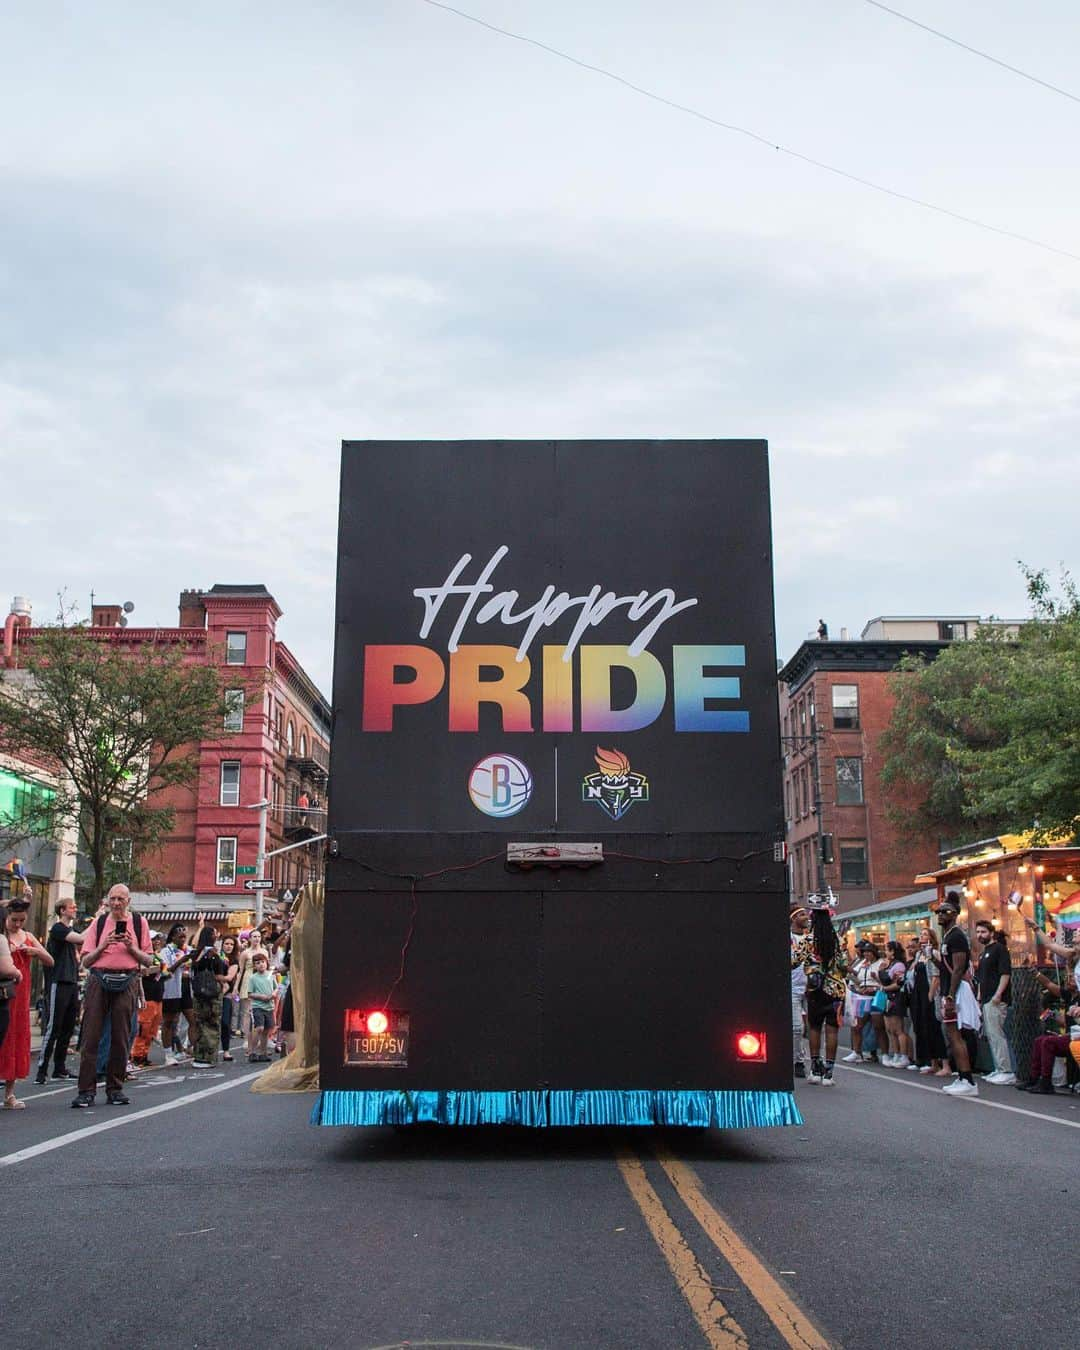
(822, 958)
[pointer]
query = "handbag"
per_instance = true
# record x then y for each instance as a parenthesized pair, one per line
(115, 981)
(8, 985)
(879, 1001)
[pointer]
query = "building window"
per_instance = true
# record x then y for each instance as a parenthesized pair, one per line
(845, 707)
(813, 712)
(802, 717)
(226, 861)
(951, 632)
(234, 710)
(230, 782)
(853, 870)
(236, 649)
(849, 786)
(303, 746)
(289, 735)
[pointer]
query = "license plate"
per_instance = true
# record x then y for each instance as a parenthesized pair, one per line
(387, 1048)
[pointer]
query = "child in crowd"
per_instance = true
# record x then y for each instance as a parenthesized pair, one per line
(261, 994)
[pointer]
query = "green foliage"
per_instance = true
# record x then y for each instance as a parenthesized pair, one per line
(116, 723)
(986, 739)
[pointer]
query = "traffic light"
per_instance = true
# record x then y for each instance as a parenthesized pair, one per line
(826, 849)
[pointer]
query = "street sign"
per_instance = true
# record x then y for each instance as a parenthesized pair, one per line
(248, 871)
(287, 896)
(259, 884)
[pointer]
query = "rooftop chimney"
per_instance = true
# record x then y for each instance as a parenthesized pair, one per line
(18, 618)
(105, 616)
(192, 610)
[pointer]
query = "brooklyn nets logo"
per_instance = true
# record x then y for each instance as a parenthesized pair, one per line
(614, 789)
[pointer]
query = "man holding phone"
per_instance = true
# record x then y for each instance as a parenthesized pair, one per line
(115, 951)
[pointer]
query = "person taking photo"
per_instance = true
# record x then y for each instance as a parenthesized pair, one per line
(115, 952)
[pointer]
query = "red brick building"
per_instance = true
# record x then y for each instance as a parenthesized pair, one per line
(273, 746)
(835, 703)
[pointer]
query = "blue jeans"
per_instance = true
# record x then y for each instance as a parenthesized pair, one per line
(106, 1041)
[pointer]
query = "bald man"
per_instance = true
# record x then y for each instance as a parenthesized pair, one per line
(115, 951)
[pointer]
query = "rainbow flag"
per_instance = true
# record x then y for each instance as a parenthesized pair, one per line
(1067, 914)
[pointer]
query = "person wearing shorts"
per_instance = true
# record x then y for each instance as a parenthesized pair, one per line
(173, 956)
(820, 954)
(261, 994)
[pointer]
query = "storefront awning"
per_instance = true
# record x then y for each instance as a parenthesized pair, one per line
(182, 915)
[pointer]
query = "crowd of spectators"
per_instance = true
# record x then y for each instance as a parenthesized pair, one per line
(922, 1005)
(129, 997)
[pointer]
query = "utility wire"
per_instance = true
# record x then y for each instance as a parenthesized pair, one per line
(755, 136)
(1024, 75)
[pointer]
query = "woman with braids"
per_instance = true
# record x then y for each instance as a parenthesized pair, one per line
(821, 956)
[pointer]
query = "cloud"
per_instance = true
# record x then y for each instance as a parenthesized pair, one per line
(174, 397)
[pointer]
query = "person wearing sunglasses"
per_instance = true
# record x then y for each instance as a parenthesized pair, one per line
(15, 1051)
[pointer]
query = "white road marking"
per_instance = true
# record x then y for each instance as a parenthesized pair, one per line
(52, 1092)
(73, 1137)
(975, 1101)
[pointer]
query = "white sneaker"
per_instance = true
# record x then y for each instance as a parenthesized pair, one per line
(926, 1068)
(853, 1058)
(950, 1086)
(868, 1059)
(901, 1062)
(1001, 1078)
(170, 1060)
(913, 1068)
(964, 1089)
(200, 1064)
(889, 1061)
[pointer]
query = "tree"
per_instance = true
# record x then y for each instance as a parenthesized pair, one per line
(986, 738)
(116, 724)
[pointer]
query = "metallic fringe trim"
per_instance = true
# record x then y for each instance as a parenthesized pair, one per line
(719, 1110)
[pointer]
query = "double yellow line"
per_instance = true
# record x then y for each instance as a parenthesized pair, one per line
(721, 1330)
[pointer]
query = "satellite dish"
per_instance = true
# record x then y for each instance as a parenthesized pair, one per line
(123, 621)
(129, 605)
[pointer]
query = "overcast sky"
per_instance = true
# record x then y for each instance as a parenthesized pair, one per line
(233, 234)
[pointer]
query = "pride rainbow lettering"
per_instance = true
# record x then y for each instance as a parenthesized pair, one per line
(400, 676)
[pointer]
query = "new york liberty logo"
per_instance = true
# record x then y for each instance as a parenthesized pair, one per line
(614, 788)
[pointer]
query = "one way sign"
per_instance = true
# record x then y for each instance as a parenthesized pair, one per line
(259, 884)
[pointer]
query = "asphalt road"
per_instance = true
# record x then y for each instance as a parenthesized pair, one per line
(894, 1216)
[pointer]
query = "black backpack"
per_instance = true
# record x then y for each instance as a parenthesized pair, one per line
(204, 981)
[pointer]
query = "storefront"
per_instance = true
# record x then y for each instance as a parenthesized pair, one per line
(893, 920)
(1006, 882)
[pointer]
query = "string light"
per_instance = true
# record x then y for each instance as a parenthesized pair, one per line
(1023, 867)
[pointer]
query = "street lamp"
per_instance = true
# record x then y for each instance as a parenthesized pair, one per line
(260, 857)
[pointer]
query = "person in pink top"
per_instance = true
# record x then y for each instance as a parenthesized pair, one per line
(115, 951)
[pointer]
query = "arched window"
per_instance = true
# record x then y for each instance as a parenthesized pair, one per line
(289, 735)
(303, 746)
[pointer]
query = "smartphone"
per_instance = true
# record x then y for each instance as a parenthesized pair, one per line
(121, 928)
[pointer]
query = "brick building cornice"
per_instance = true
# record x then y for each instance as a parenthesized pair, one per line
(301, 683)
(851, 657)
(123, 637)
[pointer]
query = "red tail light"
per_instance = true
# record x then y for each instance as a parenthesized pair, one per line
(750, 1046)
